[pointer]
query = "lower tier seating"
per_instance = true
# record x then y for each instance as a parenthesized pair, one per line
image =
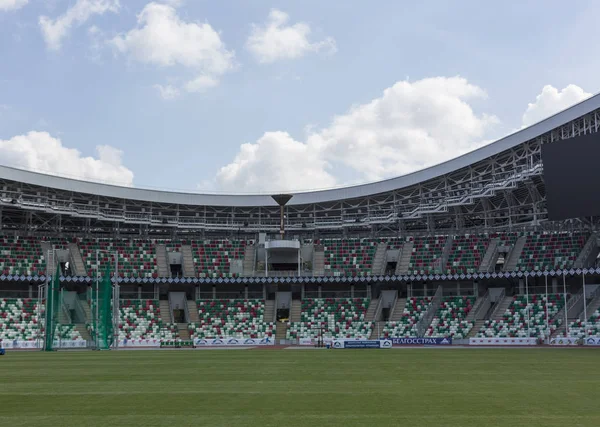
(590, 328)
(140, 319)
(67, 332)
(231, 318)
(406, 327)
(514, 321)
(450, 321)
(332, 317)
(298, 330)
(18, 319)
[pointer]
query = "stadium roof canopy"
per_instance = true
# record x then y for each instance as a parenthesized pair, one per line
(309, 197)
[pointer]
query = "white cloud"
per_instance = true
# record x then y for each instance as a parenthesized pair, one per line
(54, 31)
(411, 126)
(41, 152)
(162, 38)
(276, 40)
(167, 92)
(96, 39)
(201, 83)
(275, 162)
(12, 4)
(551, 101)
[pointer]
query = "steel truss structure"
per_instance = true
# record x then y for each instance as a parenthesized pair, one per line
(502, 191)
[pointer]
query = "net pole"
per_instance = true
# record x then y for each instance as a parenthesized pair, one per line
(527, 297)
(96, 322)
(115, 305)
(547, 320)
(41, 317)
(584, 306)
(565, 298)
(50, 307)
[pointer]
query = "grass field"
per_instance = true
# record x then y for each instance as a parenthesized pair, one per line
(412, 387)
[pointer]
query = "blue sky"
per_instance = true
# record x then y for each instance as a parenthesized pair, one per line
(321, 93)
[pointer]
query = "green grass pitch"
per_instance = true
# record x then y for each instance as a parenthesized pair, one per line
(412, 387)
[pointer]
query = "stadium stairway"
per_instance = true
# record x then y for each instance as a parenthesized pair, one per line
(475, 329)
(446, 251)
(183, 331)
(165, 312)
(280, 332)
(46, 247)
(490, 257)
(515, 254)
(296, 311)
(377, 331)
(372, 311)
(318, 260)
(193, 312)
(161, 261)
(86, 309)
(404, 257)
(269, 315)
(249, 258)
(501, 308)
(398, 309)
(63, 315)
(588, 253)
(78, 266)
(189, 270)
(379, 259)
(592, 306)
(81, 328)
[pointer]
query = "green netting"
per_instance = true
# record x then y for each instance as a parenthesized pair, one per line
(101, 306)
(53, 307)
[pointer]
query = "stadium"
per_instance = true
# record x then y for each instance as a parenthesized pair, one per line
(483, 250)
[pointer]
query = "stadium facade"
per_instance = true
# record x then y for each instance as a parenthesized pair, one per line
(452, 251)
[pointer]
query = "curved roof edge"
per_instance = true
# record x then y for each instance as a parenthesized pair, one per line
(301, 198)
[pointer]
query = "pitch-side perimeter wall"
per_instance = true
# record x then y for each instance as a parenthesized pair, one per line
(351, 344)
(503, 341)
(36, 345)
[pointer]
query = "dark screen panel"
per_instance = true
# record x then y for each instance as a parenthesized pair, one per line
(572, 177)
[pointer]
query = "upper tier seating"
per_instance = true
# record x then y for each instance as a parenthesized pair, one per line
(551, 251)
(140, 319)
(137, 258)
(506, 239)
(213, 257)
(21, 256)
(333, 317)
(514, 321)
(351, 257)
(450, 319)
(466, 254)
(406, 327)
(231, 318)
(394, 243)
(590, 328)
(18, 319)
(342, 257)
(427, 253)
